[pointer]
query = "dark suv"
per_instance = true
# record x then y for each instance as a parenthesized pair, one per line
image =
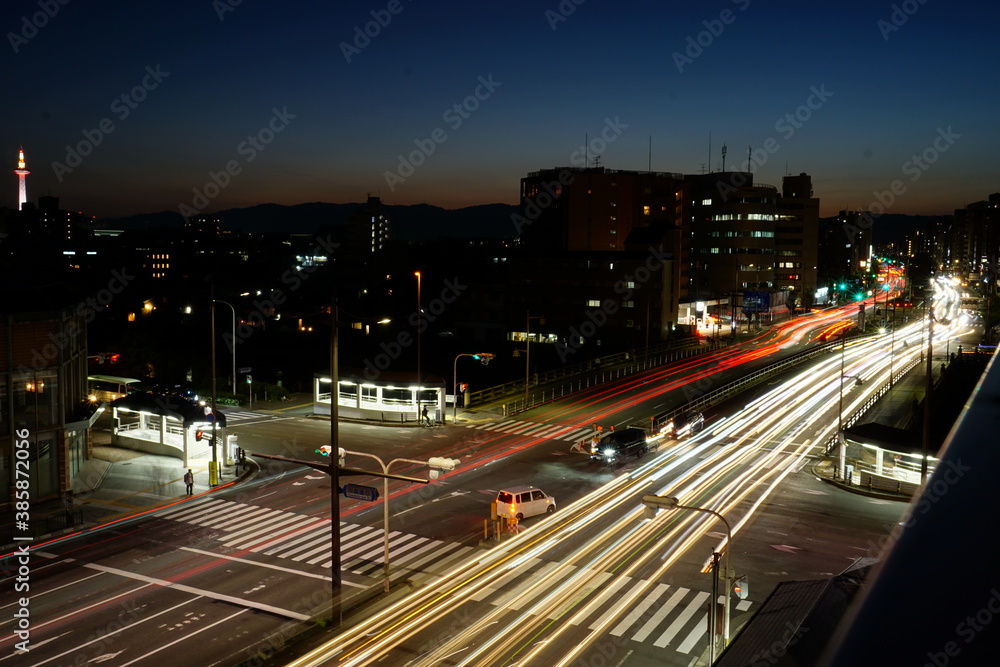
(617, 445)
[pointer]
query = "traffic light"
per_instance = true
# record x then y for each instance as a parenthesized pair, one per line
(198, 435)
(741, 588)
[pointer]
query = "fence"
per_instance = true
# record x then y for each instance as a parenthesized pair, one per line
(583, 376)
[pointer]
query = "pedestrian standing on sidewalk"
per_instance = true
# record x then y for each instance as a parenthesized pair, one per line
(189, 481)
(68, 505)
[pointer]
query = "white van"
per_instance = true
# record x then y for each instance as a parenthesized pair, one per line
(523, 501)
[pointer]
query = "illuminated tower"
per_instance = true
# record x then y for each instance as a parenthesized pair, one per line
(22, 188)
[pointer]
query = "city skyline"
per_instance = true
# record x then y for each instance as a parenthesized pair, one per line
(128, 110)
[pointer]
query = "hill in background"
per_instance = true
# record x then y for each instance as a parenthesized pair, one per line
(416, 222)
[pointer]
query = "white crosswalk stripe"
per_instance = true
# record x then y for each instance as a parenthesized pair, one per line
(667, 616)
(237, 416)
(304, 538)
(566, 432)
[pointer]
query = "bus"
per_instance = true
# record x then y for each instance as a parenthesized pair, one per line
(106, 388)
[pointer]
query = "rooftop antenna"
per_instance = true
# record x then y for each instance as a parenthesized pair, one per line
(649, 166)
(749, 158)
(703, 167)
(723, 157)
(709, 150)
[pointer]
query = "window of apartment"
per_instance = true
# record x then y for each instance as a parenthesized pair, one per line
(593, 303)
(706, 202)
(628, 304)
(645, 210)
(630, 284)
(789, 265)
(630, 324)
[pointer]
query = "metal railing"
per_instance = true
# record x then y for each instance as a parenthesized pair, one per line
(584, 376)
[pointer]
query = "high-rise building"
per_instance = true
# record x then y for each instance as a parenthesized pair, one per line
(22, 174)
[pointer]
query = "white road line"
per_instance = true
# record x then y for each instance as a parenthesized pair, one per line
(104, 636)
(505, 579)
(35, 626)
(595, 582)
(187, 636)
(660, 614)
(200, 592)
(699, 630)
(636, 613)
(39, 594)
(511, 426)
(315, 533)
(621, 581)
(249, 542)
(268, 565)
(681, 620)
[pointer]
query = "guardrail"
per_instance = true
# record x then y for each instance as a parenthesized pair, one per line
(851, 419)
(583, 376)
(739, 386)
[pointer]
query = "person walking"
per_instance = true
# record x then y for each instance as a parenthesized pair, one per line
(189, 482)
(424, 417)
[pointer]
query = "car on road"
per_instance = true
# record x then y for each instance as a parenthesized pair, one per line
(519, 502)
(616, 446)
(689, 424)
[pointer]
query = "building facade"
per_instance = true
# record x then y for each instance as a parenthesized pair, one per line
(43, 385)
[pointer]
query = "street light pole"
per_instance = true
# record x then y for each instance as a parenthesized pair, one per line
(335, 576)
(928, 387)
(437, 463)
(527, 356)
(233, 342)
(667, 502)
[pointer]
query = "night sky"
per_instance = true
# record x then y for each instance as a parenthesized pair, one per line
(531, 80)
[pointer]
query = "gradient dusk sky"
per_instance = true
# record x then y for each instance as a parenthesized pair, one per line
(867, 87)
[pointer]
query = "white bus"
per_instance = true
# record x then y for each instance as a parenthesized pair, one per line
(110, 387)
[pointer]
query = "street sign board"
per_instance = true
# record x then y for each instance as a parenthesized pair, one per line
(359, 492)
(756, 302)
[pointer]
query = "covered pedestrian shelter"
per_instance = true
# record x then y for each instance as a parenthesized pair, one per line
(168, 426)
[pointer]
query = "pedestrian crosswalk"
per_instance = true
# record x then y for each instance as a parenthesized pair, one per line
(666, 616)
(566, 432)
(237, 416)
(306, 539)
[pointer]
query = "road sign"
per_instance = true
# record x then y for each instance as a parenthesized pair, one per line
(359, 492)
(246, 369)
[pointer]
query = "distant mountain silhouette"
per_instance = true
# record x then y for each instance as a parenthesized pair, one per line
(417, 222)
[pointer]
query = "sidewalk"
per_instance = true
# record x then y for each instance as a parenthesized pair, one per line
(117, 483)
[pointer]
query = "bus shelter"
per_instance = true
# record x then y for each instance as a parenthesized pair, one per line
(169, 426)
(392, 397)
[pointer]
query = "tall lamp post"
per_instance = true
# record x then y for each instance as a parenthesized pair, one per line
(654, 503)
(436, 463)
(233, 342)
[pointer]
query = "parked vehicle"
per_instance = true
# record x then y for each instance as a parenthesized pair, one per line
(523, 501)
(616, 446)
